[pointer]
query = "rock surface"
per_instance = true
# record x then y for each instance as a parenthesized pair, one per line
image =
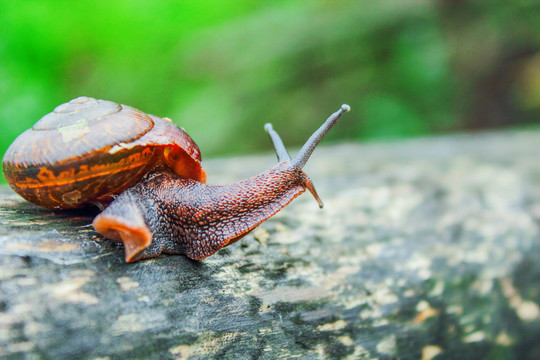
(426, 249)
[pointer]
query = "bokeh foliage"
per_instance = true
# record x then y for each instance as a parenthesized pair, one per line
(221, 69)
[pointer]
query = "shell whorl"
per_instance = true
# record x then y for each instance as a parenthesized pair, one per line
(81, 108)
(78, 127)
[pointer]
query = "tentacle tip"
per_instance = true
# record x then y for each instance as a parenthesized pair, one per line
(309, 185)
(268, 127)
(345, 108)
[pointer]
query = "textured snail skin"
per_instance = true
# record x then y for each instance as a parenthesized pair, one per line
(166, 213)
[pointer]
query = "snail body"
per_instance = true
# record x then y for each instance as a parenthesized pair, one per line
(176, 215)
(151, 180)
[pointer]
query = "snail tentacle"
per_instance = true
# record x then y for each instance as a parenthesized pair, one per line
(305, 152)
(281, 151)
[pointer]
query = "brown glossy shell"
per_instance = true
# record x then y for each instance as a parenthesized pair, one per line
(87, 150)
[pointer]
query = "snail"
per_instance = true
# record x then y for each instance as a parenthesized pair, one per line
(145, 174)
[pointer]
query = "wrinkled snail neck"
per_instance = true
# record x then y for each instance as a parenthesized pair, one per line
(305, 152)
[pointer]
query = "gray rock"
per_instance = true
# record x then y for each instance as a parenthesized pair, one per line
(426, 249)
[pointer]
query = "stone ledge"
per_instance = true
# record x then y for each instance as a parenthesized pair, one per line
(426, 249)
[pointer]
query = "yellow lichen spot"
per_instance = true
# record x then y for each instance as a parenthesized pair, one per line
(455, 309)
(504, 339)
(70, 291)
(126, 283)
(289, 294)
(181, 352)
(143, 298)
(437, 289)
(20, 347)
(83, 273)
(128, 323)
(384, 296)
(261, 235)
(475, 337)
(373, 250)
(338, 325)
(208, 344)
(425, 311)
(526, 310)
(42, 247)
(346, 340)
(26, 281)
(387, 345)
(430, 351)
(359, 353)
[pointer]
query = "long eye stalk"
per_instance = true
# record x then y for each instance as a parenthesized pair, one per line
(305, 152)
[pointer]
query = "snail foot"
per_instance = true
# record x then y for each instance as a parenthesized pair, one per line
(132, 232)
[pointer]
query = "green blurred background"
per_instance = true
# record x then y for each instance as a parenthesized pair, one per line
(221, 69)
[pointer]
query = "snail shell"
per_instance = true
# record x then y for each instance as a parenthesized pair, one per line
(87, 150)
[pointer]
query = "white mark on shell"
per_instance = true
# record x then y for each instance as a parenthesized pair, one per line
(74, 131)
